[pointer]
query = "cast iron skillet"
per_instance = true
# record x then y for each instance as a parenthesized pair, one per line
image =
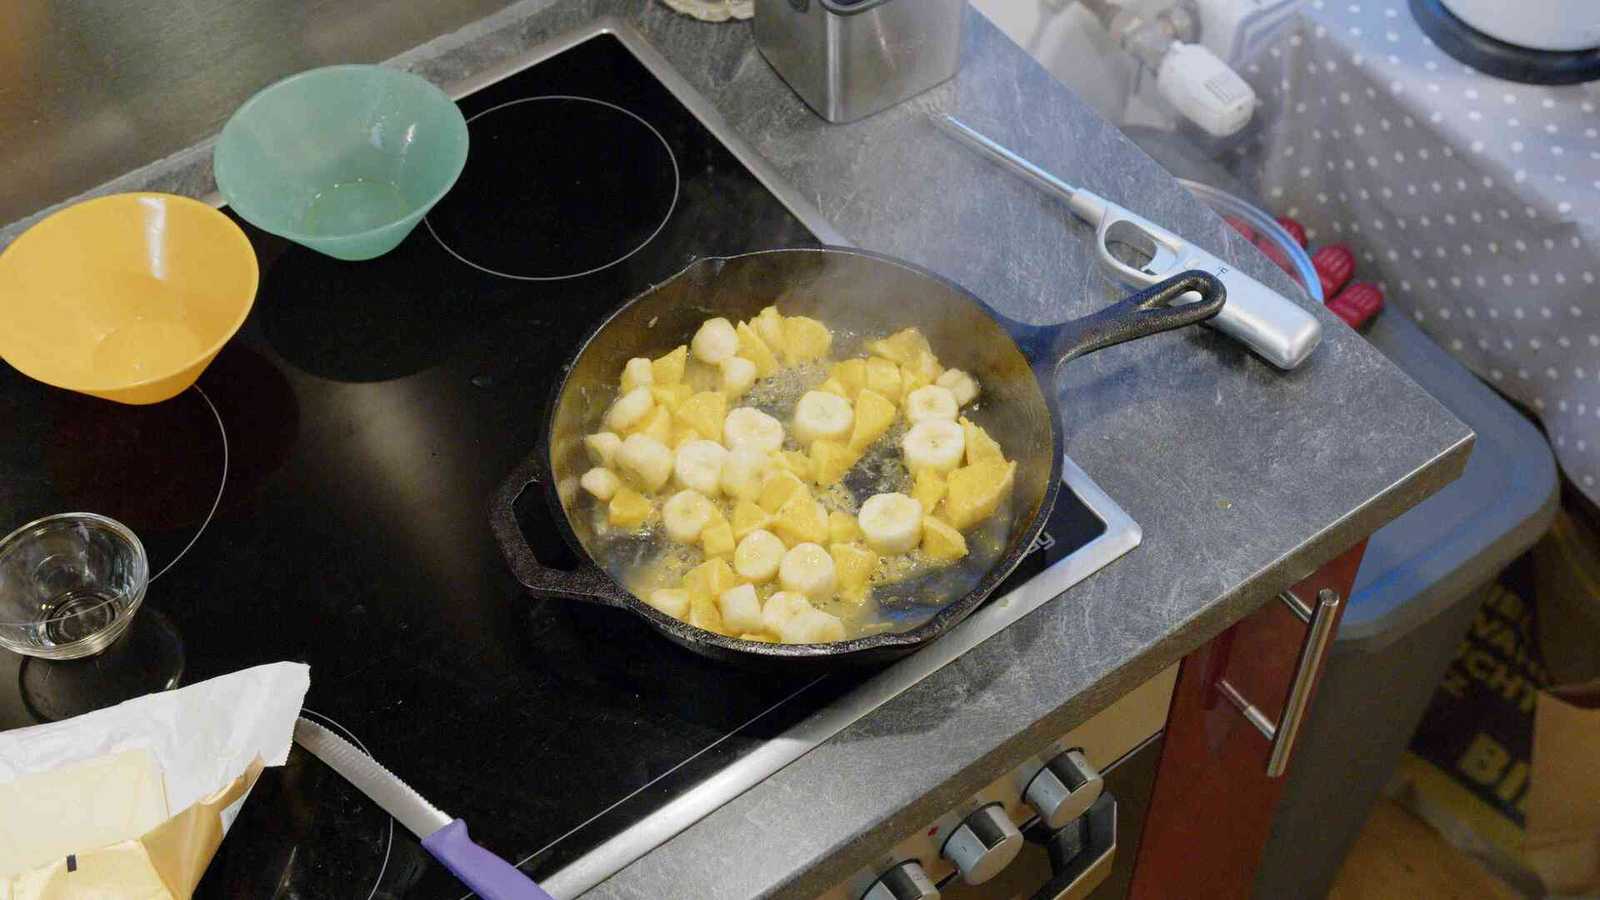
(865, 294)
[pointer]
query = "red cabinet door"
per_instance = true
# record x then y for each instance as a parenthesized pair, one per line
(1214, 800)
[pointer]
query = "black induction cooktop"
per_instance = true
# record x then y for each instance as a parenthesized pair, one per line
(321, 497)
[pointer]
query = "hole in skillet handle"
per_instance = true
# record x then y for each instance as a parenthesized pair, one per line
(1147, 312)
(523, 514)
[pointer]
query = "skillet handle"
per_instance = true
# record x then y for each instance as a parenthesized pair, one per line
(585, 582)
(1138, 315)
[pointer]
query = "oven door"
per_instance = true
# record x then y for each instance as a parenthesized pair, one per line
(1090, 858)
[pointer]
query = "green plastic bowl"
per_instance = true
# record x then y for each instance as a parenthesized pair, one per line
(345, 160)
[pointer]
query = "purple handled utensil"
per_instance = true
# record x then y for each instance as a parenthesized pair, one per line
(488, 875)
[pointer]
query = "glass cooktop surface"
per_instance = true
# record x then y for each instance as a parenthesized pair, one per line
(321, 496)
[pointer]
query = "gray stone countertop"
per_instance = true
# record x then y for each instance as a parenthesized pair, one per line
(1243, 477)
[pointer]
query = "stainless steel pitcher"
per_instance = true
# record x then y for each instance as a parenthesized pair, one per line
(849, 59)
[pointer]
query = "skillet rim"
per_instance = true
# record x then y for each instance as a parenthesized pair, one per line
(883, 645)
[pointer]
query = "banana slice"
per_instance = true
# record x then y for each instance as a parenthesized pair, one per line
(602, 483)
(637, 373)
(685, 515)
(891, 523)
(821, 415)
(932, 402)
(750, 427)
(795, 621)
(744, 471)
(957, 382)
(715, 341)
(602, 446)
(645, 461)
(698, 466)
(738, 374)
(935, 444)
(782, 607)
(759, 556)
(630, 409)
(741, 609)
(808, 569)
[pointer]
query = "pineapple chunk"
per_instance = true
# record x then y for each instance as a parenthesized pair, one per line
(709, 579)
(980, 446)
(762, 637)
(883, 377)
(748, 517)
(658, 425)
(805, 339)
(670, 395)
(911, 379)
(928, 490)
(842, 527)
(669, 369)
(769, 327)
(940, 542)
(830, 460)
(854, 565)
(974, 492)
(672, 601)
(682, 434)
(753, 348)
(716, 539)
(801, 520)
(798, 463)
(628, 509)
(901, 348)
(778, 489)
(874, 414)
(704, 613)
(741, 609)
(701, 376)
(704, 413)
(835, 386)
(909, 349)
(852, 373)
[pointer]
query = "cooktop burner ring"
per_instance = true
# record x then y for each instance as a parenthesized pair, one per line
(388, 845)
(222, 486)
(665, 217)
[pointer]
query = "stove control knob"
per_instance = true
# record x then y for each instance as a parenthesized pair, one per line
(1064, 789)
(906, 881)
(983, 844)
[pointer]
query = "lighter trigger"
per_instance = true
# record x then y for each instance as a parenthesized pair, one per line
(1164, 257)
(1163, 261)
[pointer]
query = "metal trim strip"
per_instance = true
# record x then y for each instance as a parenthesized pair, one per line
(1121, 535)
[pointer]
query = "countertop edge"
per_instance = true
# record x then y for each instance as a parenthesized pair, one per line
(812, 876)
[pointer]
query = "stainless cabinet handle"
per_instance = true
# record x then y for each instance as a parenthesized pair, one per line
(1313, 654)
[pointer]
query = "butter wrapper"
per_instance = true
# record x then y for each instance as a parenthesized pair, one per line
(209, 741)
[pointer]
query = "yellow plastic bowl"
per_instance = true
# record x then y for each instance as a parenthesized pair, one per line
(127, 297)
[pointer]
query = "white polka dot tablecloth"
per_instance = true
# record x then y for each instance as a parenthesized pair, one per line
(1474, 201)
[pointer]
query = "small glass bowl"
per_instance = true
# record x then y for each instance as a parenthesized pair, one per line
(69, 585)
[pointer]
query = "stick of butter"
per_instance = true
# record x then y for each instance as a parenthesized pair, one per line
(79, 808)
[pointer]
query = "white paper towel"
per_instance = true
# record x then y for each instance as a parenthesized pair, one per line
(203, 735)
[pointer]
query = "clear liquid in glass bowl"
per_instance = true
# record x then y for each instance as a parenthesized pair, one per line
(69, 585)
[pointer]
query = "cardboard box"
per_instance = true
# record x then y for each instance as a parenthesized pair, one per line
(1562, 841)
